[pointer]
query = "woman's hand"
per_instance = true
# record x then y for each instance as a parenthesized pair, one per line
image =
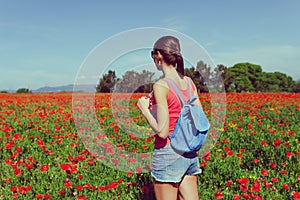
(143, 103)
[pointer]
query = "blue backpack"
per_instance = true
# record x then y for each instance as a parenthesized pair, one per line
(191, 127)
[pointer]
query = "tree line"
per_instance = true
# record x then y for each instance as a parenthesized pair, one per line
(242, 77)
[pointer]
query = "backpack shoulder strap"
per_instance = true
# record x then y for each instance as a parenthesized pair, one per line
(190, 86)
(176, 90)
(192, 96)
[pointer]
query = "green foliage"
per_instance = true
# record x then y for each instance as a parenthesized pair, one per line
(23, 90)
(3, 91)
(256, 155)
(206, 79)
(130, 82)
(276, 82)
(247, 77)
(107, 82)
(242, 77)
(297, 86)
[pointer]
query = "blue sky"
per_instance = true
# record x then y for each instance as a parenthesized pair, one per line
(44, 43)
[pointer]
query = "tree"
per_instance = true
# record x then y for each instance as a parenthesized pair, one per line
(220, 71)
(205, 76)
(107, 82)
(133, 81)
(297, 86)
(205, 79)
(276, 82)
(247, 77)
(23, 90)
(194, 75)
(243, 77)
(218, 77)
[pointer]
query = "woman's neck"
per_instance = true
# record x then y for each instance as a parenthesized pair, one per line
(170, 72)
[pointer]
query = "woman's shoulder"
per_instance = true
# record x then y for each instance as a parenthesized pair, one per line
(161, 83)
(161, 86)
(187, 77)
(191, 81)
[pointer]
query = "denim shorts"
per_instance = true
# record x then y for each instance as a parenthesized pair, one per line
(169, 166)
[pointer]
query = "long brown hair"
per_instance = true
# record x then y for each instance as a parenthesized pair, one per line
(169, 48)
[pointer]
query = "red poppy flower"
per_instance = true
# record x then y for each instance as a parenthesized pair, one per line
(243, 187)
(264, 172)
(283, 172)
(274, 180)
(239, 155)
(289, 154)
(218, 195)
(65, 166)
(17, 171)
(243, 181)
(18, 149)
(291, 133)
(246, 196)
(145, 190)
(277, 143)
(138, 170)
(296, 195)
(236, 197)
(272, 165)
(263, 142)
(285, 186)
(101, 188)
(30, 159)
(226, 149)
(68, 184)
(7, 180)
(129, 173)
(44, 168)
(14, 189)
(22, 189)
(287, 144)
(81, 197)
(79, 187)
(268, 184)
(62, 192)
(229, 183)
(255, 187)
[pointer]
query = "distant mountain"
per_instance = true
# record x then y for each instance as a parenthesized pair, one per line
(66, 88)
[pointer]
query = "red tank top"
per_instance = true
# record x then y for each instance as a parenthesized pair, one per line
(174, 107)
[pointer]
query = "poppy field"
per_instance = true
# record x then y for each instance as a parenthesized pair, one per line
(48, 152)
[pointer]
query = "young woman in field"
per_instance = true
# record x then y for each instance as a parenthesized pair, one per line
(174, 174)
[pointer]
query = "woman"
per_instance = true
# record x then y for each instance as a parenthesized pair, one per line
(174, 174)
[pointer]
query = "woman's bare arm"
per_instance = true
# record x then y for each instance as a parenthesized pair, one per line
(161, 125)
